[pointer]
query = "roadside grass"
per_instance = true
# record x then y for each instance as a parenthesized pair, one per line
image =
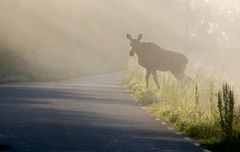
(189, 106)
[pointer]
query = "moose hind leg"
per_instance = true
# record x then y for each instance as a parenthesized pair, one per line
(177, 75)
(181, 76)
(147, 78)
(155, 77)
(187, 78)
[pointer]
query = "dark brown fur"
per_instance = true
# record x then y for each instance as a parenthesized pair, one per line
(154, 58)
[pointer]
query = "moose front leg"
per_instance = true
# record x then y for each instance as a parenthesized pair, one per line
(155, 77)
(148, 72)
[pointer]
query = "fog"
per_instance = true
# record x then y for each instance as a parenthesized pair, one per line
(89, 36)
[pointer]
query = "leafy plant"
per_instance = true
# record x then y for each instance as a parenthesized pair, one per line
(226, 103)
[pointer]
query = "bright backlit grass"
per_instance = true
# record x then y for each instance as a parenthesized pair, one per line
(189, 106)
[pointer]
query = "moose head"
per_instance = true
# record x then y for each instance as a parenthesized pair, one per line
(134, 43)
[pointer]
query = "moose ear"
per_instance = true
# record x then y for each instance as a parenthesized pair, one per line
(140, 36)
(129, 36)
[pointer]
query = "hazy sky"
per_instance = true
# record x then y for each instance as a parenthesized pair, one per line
(86, 34)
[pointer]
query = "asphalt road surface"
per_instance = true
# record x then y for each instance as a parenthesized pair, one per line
(90, 114)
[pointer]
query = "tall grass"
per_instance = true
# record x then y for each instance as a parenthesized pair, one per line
(192, 107)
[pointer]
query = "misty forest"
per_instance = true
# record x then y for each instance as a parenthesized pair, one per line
(61, 39)
(82, 37)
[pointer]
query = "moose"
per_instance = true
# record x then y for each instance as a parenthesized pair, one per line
(153, 58)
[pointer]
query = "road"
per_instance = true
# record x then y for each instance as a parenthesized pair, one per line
(90, 114)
